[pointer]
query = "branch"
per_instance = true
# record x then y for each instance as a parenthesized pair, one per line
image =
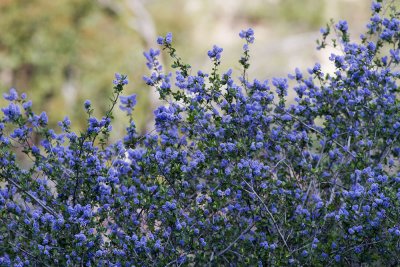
(320, 133)
(38, 201)
(234, 241)
(270, 215)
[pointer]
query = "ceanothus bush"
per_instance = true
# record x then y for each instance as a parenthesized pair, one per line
(233, 174)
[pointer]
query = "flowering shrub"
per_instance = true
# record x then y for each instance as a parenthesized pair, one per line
(233, 174)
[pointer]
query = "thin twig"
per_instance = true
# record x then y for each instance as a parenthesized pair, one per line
(270, 214)
(320, 133)
(234, 241)
(48, 209)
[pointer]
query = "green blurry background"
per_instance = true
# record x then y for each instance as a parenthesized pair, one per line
(65, 51)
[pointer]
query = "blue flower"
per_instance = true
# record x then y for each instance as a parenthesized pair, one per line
(202, 242)
(264, 245)
(120, 79)
(376, 7)
(342, 26)
(151, 58)
(281, 86)
(12, 95)
(215, 53)
(40, 121)
(80, 237)
(87, 104)
(337, 258)
(395, 55)
(248, 35)
(324, 31)
(167, 40)
(12, 112)
(128, 103)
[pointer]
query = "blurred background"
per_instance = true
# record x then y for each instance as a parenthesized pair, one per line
(63, 52)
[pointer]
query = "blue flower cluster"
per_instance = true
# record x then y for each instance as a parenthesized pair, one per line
(233, 173)
(215, 53)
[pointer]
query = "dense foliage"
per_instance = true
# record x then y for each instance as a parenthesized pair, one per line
(233, 174)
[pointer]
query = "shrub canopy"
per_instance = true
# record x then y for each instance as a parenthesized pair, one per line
(233, 174)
